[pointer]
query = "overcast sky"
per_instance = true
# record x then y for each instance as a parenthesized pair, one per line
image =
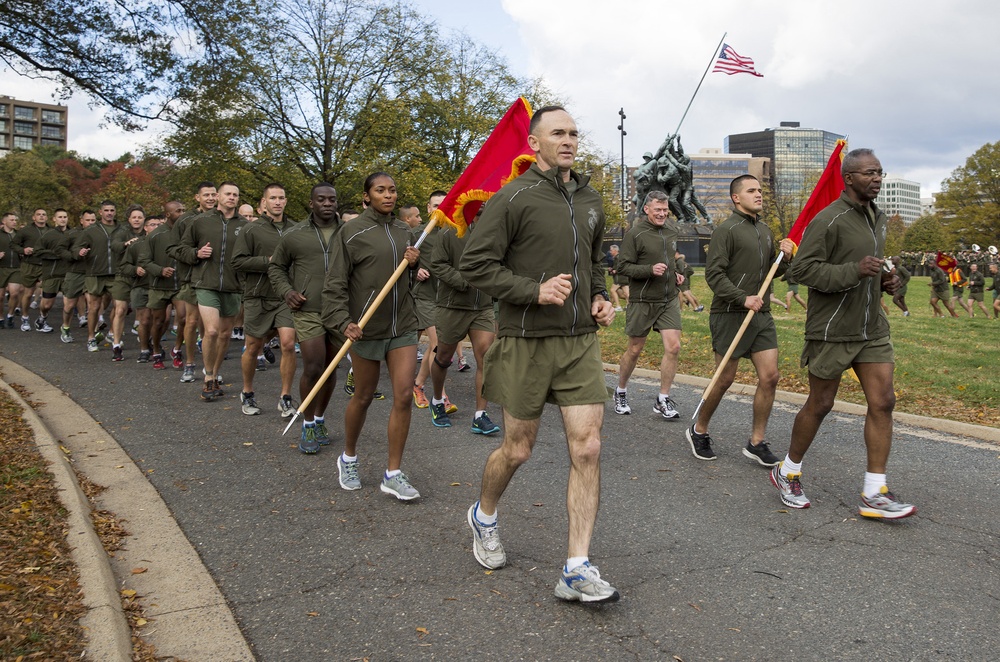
(914, 81)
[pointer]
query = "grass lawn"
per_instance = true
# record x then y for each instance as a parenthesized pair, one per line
(945, 368)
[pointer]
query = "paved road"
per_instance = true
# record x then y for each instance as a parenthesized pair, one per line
(709, 563)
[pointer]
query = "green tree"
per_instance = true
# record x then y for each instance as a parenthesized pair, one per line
(27, 182)
(926, 234)
(130, 55)
(895, 231)
(339, 89)
(969, 204)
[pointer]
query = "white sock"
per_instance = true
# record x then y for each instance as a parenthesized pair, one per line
(621, 391)
(309, 423)
(349, 458)
(575, 561)
(437, 401)
(483, 518)
(319, 419)
(789, 467)
(873, 484)
(394, 472)
(663, 397)
(479, 412)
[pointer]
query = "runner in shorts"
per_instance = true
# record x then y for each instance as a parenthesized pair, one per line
(297, 271)
(265, 313)
(939, 291)
(207, 245)
(977, 282)
(365, 254)
(538, 250)
(792, 292)
(686, 294)
(74, 282)
(53, 250)
(94, 246)
(461, 310)
(647, 259)
(995, 287)
(125, 279)
(164, 285)
(843, 269)
(10, 270)
(25, 242)
(206, 198)
(739, 257)
(424, 289)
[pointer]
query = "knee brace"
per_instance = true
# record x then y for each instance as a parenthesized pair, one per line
(444, 366)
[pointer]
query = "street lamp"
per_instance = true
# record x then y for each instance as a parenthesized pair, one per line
(621, 128)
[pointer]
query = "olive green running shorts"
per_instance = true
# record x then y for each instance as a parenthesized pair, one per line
(522, 374)
(829, 360)
(453, 324)
(640, 317)
(759, 336)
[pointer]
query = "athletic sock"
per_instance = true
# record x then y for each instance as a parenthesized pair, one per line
(574, 561)
(789, 467)
(483, 518)
(308, 423)
(479, 412)
(873, 484)
(349, 458)
(437, 401)
(319, 419)
(663, 397)
(620, 391)
(394, 472)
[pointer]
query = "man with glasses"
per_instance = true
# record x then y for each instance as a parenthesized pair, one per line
(840, 260)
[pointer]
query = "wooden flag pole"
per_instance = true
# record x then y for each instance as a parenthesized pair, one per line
(739, 335)
(403, 265)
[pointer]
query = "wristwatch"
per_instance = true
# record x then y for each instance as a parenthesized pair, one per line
(604, 293)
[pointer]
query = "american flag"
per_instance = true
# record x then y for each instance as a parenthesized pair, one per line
(730, 62)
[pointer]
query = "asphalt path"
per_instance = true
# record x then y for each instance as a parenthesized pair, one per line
(709, 563)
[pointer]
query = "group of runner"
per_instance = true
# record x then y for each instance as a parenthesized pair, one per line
(537, 249)
(223, 277)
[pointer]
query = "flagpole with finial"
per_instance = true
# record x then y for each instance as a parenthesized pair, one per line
(714, 54)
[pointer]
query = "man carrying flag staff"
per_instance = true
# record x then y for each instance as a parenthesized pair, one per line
(840, 260)
(739, 256)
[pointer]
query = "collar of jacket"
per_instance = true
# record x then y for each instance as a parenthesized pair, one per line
(643, 218)
(372, 215)
(310, 220)
(753, 219)
(552, 175)
(859, 208)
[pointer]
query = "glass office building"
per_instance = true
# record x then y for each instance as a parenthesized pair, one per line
(797, 155)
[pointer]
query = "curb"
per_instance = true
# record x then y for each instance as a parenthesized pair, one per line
(108, 633)
(981, 432)
(190, 619)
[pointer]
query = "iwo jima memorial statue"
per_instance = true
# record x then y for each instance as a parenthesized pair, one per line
(669, 170)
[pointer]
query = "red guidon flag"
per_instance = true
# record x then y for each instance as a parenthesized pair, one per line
(828, 189)
(946, 262)
(504, 156)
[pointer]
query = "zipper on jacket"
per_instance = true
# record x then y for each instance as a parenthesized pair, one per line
(222, 253)
(576, 258)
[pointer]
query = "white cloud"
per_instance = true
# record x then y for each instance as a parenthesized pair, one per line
(913, 82)
(907, 81)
